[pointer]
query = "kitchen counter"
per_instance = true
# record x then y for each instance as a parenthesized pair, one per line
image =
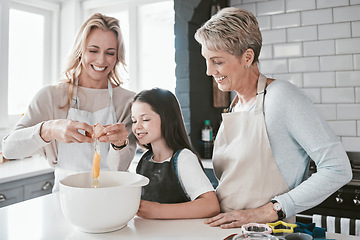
(42, 218)
(24, 179)
(24, 168)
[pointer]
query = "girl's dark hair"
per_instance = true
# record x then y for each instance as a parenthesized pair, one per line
(164, 103)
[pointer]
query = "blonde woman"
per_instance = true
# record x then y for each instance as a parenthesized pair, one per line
(58, 117)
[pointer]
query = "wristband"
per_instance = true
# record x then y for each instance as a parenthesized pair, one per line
(120, 147)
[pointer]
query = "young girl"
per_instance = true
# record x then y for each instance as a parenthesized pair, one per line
(178, 186)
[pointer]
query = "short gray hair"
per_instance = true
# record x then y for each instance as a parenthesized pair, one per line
(233, 30)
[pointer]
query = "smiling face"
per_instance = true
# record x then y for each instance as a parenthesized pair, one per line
(98, 59)
(228, 70)
(146, 124)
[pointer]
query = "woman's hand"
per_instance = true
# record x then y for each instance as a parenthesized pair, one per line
(115, 134)
(148, 209)
(232, 219)
(65, 130)
(237, 218)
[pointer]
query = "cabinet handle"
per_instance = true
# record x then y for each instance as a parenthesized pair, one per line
(2, 198)
(46, 186)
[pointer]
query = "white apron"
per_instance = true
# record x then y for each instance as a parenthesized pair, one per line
(243, 160)
(78, 157)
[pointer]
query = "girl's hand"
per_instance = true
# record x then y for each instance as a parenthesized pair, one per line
(115, 134)
(65, 130)
(148, 209)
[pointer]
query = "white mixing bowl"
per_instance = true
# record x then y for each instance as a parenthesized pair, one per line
(104, 209)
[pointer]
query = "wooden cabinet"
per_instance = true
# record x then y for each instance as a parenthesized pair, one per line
(26, 188)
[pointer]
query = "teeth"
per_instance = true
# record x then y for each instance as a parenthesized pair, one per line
(99, 68)
(219, 78)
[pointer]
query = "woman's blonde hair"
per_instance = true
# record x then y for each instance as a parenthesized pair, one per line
(233, 30)
(74, 66)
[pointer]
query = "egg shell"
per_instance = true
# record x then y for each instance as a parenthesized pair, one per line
(98, 128)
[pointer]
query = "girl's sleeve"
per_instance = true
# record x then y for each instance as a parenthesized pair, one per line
(191, 176)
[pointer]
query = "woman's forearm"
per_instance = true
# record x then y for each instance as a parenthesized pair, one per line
(23, 142)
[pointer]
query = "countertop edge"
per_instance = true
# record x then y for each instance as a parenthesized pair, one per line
(24, 168)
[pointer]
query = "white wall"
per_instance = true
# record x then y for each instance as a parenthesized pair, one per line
(315, 44)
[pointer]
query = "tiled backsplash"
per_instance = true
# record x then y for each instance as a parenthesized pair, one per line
(315, 44)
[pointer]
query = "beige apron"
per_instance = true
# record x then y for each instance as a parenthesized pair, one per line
(243, 160)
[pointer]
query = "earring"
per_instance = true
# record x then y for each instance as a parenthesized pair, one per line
(246, 66)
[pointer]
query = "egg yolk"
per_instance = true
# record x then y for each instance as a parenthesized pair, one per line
(96, 164)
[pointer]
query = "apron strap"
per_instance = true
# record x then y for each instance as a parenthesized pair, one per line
(75, 99)
(112, 107)
(233, 103)
(110, 89)
(175, 156)
(259, 105)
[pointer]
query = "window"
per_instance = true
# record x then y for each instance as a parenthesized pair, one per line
(28, 54)
(148, 29)
(157, 46)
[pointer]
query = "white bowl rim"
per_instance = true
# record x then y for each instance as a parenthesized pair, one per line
(143, 181)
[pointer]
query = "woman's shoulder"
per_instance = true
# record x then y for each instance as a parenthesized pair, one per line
(54, 86)
(280, 85)
(120, 91)
(52, 90)
(284, 100)
(284, 90)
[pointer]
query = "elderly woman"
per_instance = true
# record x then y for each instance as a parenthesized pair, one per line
(263, 148)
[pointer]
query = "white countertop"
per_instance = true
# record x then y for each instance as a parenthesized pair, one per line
(42, 218)
(23, 168)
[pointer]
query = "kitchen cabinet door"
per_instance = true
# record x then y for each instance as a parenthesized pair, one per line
(26, 188)
(10, 196)
(43, 185)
